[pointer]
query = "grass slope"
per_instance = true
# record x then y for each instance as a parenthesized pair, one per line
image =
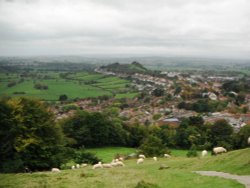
(179, 174)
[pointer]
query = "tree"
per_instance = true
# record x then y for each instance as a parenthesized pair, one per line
(221, 134)
(32, 138)
(153, 146)
(240, 138)
(158, 92)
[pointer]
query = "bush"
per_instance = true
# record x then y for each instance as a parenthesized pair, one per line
(82, 156)
(153, 146)
(143, 184)
(192, 151)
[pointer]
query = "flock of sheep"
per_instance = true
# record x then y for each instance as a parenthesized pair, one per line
(119, 162)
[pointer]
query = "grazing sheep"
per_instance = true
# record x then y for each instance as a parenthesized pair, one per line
(219, 150)
(55, 170)
(116, 160)
(140, 161)
(248, 140)
(204, 153)
(73, 167)
(166, 155)
(142, 156)
(83, 165)
(163, 166)
(77, 166)
(155, 158)
(107, 165)
(118, 163)
(99, 165)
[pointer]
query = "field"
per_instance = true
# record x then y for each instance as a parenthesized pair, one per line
(74, 85)
(132, 175)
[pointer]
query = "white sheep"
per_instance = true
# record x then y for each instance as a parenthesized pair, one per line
(167, 155)
(98, 165)
(55, 170)
(140, 161)
(204, 153)
(83, 165)
(219, 150)
(117, 163)
(155, 158)
(73, 167)
(248, 140)
(77, 166)
(107, 165)
(142, 156)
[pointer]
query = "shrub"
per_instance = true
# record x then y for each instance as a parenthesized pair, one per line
(192, 151)
(82, 156)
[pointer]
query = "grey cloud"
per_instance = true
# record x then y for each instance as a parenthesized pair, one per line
(180, 27)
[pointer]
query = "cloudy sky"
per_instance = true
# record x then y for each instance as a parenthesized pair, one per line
(209, 28)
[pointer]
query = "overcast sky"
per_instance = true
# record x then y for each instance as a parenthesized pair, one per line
(209, 28)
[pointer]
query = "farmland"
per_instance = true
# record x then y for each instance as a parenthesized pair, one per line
(74, 85)
(180, 173)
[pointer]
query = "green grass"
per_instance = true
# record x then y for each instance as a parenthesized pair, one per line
(179, 175)
(108, 153)
(73, 86)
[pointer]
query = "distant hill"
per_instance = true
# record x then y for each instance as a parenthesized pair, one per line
(134, 67)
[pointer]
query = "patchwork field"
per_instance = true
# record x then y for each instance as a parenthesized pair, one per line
(179, 174)
(74, 85)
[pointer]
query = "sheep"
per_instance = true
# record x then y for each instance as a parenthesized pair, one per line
(248, 140)
(219, 150)
(167, 155)
(77, 166)
(98, 165)
(55, 170)
(107, 165)
(83, 165)
(117, 163)
(142, 156)
(140, 161)
(155, 158)
(204, 153)
(73, 167)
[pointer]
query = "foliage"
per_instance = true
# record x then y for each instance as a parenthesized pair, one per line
(83, 156)
(29, 137)
(63, 97)
(192, 151)
(153, 146)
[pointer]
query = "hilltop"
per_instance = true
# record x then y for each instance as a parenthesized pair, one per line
(132, 68)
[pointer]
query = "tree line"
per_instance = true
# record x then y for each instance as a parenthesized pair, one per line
(31, 138)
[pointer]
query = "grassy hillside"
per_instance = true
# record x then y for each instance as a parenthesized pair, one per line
(74, 85)
(178, 175)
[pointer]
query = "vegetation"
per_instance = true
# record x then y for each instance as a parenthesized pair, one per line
(179, 175)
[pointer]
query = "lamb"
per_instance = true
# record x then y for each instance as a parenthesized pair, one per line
(55, 170)
(117, 163)
(142, 156)
(248, 140)
(204, 153)
(73, 167)
(155, 158)
(107, 165)
(140, 161)
(77, 166)
(98, 165)
(219, 150)
(167, 155)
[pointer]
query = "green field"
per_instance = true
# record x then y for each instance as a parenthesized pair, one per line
(74, 85)
(179, 175)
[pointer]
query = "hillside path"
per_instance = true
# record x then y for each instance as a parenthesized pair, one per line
(242, 179)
